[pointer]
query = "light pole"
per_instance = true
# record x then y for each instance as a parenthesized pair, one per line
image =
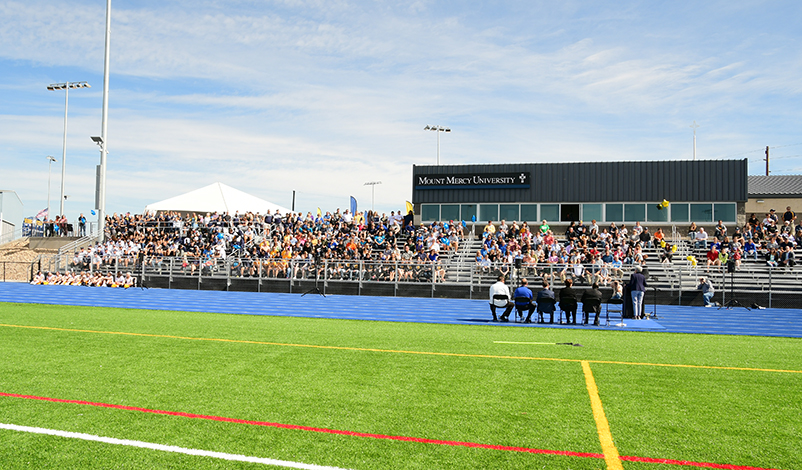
(372, 185)
(437, 129)
(66, 87)
(694, 126)
(50, 161)
(100, 195)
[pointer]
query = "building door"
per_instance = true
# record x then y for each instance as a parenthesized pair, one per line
(569, 212)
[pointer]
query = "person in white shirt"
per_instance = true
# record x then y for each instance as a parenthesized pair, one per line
(701, 238)
(500, 297)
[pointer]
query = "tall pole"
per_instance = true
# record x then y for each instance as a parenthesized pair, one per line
(66, 87)
(372, 185)
(101, 210)
(437, 129)
(63, 153)
(50, 161)
(438, 148)
(767, 160)
(694, 126)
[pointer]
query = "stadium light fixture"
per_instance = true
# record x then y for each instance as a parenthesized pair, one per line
(66, 87)
(372, 185)
(437, 129)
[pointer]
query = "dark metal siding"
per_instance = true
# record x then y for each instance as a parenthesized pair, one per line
(704, 180)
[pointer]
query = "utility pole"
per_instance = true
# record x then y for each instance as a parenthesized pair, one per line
(767, 160)
(694, 126)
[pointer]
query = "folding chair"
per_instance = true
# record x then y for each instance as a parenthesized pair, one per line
(500, 298)
(545, 306)
(519, 309)
(562, 310)
(590, 306)
(615, 306)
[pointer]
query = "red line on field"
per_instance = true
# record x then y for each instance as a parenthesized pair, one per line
(691, 464)
(384, 436)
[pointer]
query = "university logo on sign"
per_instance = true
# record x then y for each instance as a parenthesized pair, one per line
(475, 181)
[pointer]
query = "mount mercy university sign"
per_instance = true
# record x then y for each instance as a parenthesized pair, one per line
(474, 181)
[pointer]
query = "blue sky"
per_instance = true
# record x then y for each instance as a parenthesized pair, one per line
(322, 96)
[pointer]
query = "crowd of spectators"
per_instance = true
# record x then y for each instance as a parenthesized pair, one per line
(772, 240)
(277, 246)
(590, 253)
(339, 245)
(85, 278)
(585, 253)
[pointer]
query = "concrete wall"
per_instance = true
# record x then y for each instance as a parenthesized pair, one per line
(760, 209)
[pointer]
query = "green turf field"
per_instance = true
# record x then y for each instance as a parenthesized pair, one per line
(458, 391)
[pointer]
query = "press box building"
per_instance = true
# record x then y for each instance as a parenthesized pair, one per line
(702, 191)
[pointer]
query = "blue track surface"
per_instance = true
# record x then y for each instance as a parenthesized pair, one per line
(672, 319)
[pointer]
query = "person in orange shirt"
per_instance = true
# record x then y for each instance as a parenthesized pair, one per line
(658, 236)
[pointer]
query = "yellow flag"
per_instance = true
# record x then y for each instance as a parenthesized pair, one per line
(410, 208)
(318, 212)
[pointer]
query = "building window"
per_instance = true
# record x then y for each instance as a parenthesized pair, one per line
(614, 213)
(679, 213)
(724, 212)
(702, 212)
(449, 212)
(655, 212)
(508, 212)
(592, 212)
(550, 212)
(634, 213)
(529, 213)
(488, 212)
(429, 212)
(469, 212)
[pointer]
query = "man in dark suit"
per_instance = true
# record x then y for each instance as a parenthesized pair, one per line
(545, 303)
(568, 301)
(591, 302)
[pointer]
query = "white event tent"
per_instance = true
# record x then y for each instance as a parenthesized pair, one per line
(216, 197)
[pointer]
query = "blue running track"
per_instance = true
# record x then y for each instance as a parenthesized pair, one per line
(671, 319)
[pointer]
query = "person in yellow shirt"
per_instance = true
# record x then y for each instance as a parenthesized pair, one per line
(489, 229)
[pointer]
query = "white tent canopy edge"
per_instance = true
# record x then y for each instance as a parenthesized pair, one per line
(216, 197)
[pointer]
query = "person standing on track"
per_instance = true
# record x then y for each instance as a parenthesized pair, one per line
(637, 289)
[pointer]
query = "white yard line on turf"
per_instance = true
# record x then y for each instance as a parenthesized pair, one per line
(164, 448)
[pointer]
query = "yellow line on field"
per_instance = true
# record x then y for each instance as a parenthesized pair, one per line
(396, 351)
(602, 426)
(317, 346)
(519, 342)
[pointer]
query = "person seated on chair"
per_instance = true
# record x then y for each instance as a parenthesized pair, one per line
(618, 290)
(545, 303)
(591, 302)
(523, 299)
(500, 297)
(568, 301)
(707, 290)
